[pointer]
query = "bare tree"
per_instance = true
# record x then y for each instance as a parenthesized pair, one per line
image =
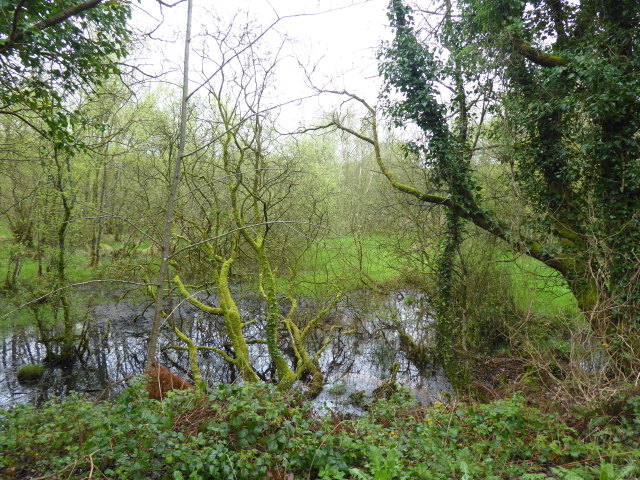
(171, 201)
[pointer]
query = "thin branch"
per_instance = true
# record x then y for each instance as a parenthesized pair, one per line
(170, 5)
(225, 177)
(243, 121)
(23, 119)
(222, 353)
(330, 338)
(113, 215)
(270, 27)
(18, 36)
(239, 229)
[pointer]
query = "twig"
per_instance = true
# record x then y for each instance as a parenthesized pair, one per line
(261, 224)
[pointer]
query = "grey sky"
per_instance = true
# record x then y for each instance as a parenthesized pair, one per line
(340, 37)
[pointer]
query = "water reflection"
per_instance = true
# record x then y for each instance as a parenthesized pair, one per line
(358, 360)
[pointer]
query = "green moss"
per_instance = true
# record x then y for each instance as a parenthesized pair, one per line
(30, 373)
(338, 389)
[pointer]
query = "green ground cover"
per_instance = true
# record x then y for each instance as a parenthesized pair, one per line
(369, 260)
(255, 432)
(346, 262)
(536, 287)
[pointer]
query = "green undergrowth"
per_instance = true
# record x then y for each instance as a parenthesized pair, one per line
(76, 270)
(255, 432)
(77, 261)
(36, 279)
(5, 231)
(48, 309)
(369, 261)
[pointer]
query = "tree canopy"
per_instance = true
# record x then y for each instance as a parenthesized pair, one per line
(50, 49)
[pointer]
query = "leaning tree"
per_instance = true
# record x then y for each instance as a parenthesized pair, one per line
(560, 84)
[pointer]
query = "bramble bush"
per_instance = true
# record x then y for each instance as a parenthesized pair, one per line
(256, 432)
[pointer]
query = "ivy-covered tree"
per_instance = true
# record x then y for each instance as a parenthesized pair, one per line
(563, 79)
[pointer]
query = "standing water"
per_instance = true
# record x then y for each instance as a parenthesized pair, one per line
(358, 361)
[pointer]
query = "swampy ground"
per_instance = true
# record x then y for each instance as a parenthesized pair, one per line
(95, 420)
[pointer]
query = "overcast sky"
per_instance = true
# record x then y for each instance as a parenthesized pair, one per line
(340, 36)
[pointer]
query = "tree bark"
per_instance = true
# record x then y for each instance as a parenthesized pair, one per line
(171, 201)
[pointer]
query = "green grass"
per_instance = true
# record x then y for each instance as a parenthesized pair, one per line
(345, 263)
(76, 269)
(77, 260)
(30, 284)
(537, 287)
(5, 231)
(351, 263)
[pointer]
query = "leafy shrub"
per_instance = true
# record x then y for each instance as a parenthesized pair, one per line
(256, 432)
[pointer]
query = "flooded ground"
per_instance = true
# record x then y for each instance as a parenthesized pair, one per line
(355, 363)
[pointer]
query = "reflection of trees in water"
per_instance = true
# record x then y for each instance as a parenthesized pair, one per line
(117, 343)
(17, 349)
(365, 359)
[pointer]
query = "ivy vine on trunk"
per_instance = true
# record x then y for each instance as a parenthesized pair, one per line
(567, 111)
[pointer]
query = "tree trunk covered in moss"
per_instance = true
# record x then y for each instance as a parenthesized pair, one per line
(62, 184)
(286, 376)
(233, 321)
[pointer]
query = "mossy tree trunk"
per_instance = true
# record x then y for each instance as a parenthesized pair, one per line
(228, 309)
(64, 188)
